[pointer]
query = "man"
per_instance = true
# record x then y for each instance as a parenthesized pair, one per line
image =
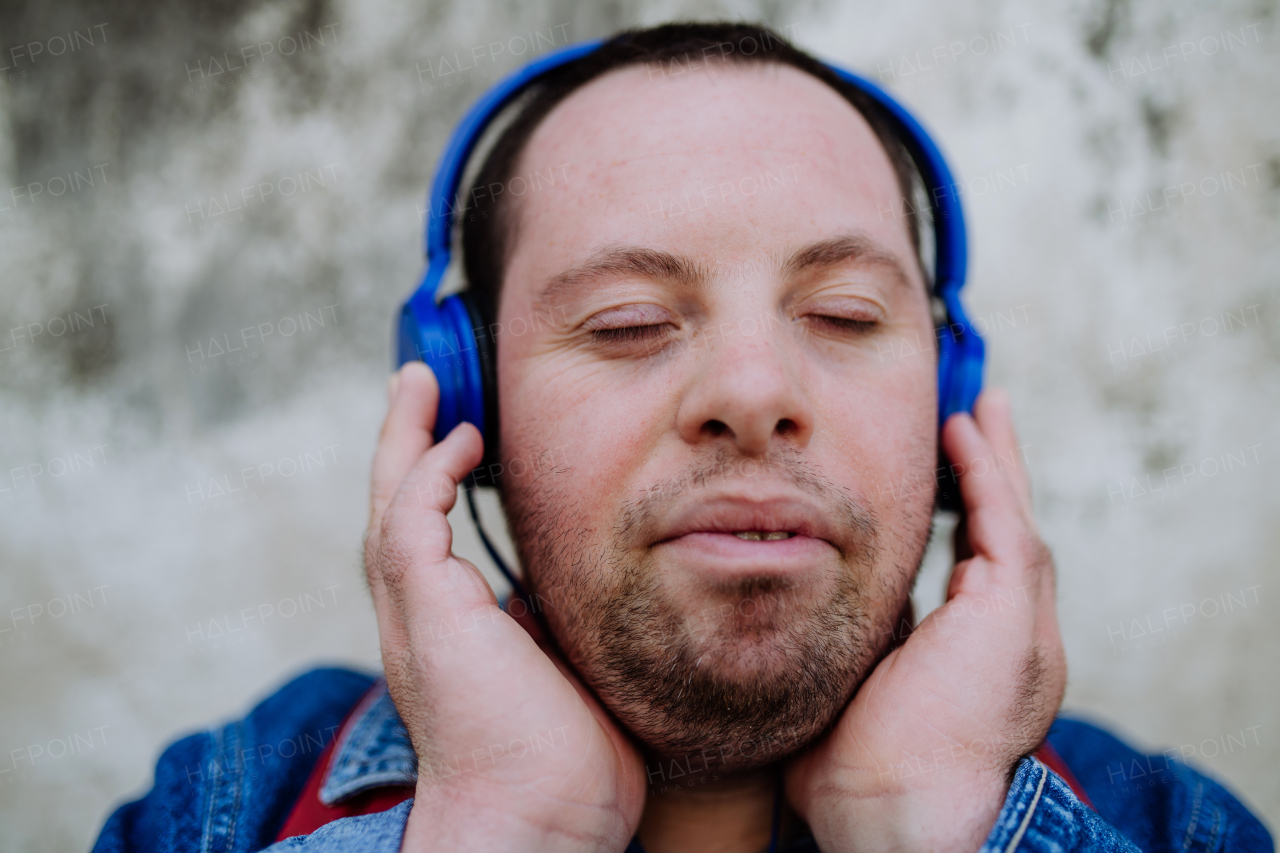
(712, 474)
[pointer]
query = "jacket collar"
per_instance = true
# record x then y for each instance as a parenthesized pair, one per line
(373, 750)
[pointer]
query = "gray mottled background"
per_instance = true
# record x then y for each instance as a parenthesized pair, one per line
(1121, 167)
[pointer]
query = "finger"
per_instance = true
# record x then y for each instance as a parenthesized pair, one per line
(406, 433)
(960, 548)
(994, 415)
(433, 478)
(996, 525)
(416, 541)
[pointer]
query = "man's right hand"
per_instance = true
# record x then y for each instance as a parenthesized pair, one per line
(513, 752)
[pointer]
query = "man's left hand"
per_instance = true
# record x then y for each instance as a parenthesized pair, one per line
(923, 756)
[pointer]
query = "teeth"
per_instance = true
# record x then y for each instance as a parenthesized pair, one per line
(756, 535)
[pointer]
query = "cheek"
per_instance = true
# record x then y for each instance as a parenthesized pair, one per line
(601, 431)
(884, 429)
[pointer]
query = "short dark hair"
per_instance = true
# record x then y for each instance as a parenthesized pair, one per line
(487, 224)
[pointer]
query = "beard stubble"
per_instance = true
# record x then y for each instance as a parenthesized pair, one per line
(761, 682)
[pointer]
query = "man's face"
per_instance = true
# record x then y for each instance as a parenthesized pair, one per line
(704, 336)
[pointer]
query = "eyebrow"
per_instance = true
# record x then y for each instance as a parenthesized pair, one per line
(843, 249)
(658, 265)
(613, 261)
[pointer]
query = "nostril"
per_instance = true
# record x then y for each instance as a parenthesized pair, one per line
(786, 426)
(716, 428)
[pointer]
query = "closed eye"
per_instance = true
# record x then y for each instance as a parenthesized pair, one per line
(624, 334)
(843, 315)
(846, 324)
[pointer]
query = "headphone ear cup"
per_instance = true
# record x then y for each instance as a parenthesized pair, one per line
(425, 335)
(486, 348)
(947, 496)
(947, 354)
(960, 361)
(444, 337)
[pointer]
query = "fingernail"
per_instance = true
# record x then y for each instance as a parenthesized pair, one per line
(393, 387)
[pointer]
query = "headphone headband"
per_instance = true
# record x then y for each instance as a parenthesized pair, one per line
(450, 335)
(438, 236)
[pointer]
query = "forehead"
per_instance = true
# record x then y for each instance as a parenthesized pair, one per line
(728, 164)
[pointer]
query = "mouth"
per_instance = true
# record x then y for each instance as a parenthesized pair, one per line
(759, 518)
(763, 536)
(728, 536)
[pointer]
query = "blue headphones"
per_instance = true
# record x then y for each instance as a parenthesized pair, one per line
(450, 336)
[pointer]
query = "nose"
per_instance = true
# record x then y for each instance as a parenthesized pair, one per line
(747, 390)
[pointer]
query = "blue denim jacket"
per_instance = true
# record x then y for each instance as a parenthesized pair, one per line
(231, 789)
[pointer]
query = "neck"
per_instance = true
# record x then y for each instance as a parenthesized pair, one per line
(711, 812)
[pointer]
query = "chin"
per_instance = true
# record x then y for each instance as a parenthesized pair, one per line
(753, 687)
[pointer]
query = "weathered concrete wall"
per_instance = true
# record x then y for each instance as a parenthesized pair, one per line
(1121, 166)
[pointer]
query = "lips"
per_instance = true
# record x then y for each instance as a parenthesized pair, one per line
(751, 519)
(727, 537)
